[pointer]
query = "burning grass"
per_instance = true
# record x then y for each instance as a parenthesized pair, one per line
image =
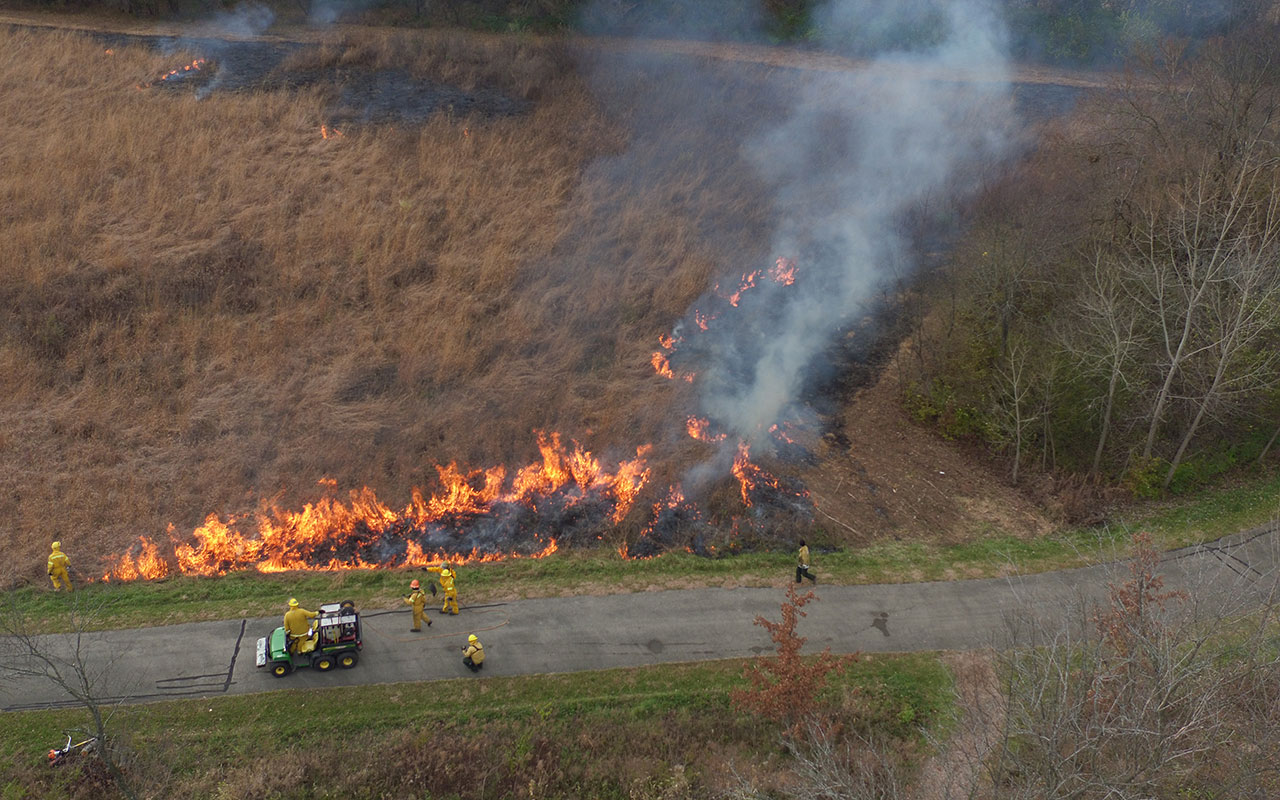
(997, 553)
(215, 306)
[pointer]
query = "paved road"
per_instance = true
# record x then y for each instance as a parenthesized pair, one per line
(697, 624)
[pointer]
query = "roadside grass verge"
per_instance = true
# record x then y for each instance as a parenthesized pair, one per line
(603, 734)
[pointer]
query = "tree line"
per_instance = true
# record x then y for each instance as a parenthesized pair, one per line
(1114, 310)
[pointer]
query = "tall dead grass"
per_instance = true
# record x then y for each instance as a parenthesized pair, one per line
(207, 304)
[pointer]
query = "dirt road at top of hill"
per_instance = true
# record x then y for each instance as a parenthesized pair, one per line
(760, 54)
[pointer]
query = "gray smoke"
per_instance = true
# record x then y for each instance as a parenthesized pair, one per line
(215, 39)
(859, 150)
(327, 12)
(245, 20)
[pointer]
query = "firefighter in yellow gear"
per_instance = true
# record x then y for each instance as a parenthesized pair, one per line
(802, 564)
(418, 599)
(473, 653)
(447, 575)
(297, 626)
(58, 563)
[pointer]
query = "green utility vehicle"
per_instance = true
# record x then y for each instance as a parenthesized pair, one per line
(336, 636)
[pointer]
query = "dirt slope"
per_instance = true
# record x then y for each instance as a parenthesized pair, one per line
(881, 475)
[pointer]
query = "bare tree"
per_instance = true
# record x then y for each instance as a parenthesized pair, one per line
(1143, 693)
(1016, 412)
(827, 767)
(1203, 271)
(1239, 315)
(1105, 343)
(65, 661)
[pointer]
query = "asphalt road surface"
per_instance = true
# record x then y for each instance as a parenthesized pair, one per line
(552, 635)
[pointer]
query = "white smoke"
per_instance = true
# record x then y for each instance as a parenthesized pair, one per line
(861, 148)
(214, 39)
(327, 12)
(245, 21)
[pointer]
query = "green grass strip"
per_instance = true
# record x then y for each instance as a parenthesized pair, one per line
(900, 694)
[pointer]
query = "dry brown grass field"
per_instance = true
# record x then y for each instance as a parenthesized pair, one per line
(208, 304)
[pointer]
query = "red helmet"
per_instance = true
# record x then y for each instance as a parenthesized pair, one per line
(414, 584)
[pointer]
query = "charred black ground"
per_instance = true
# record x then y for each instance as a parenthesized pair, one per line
(360, 94)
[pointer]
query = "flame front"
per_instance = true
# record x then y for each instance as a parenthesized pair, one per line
(476, 515)
(364, 533)
(182, 71)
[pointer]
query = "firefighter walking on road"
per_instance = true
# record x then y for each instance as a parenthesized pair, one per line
(418, 599)
(447, 575)
(802, 564)
(58, 563)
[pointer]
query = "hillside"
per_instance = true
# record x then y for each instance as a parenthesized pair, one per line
(305, 270)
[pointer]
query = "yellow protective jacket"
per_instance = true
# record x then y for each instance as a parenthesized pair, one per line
(475, 651)
(418, 599)
(803, 558)
(297, 621)
(446, 581)
(58, 562)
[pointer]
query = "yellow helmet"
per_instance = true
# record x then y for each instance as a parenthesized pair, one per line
(472, 638)
(444, 573)
(57, 545)
(293, 602)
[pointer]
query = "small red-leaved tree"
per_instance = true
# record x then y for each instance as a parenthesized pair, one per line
(785, 687)
(1132, 634)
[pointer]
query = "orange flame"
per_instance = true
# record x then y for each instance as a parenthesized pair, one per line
(363, 533)
(662, 366)
(330, 133)
(196, 65)
(674, 499)
(783, 271)
(748, 474)
(782, 435)
(331, 534)
(748, 282)
(698, 428)
(147, 564)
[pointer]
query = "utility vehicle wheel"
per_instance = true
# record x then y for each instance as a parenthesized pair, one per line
(281, 668)
(348, 659)
(347, 604)
(324, 663)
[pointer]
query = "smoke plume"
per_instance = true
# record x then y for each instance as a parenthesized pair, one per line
(859, 149)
